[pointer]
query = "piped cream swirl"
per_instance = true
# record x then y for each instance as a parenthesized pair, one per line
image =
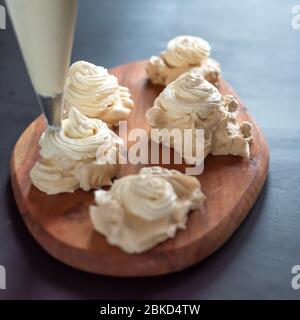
(183, 54)
(150, 198)
(192, 94)
(191, 102)
(96, 93)
(81, 154)
(142, 210)
(186, 50)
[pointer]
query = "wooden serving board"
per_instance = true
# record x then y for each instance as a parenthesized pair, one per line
(61, 225)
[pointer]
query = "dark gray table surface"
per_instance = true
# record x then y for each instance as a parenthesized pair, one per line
(259, 52)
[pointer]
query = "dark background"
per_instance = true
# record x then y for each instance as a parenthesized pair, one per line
(259, 52)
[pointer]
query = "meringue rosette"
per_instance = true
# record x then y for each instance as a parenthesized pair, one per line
(191, 102)
(82, 154)
(142, 210)
(183, 54)
(97, 94)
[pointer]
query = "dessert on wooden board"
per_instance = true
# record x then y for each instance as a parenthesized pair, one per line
(183, 53)
(142, 210)
(191, 102)
(145, 206)
(77, 156)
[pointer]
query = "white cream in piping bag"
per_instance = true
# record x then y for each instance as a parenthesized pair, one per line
(183, 54)
(44, 30)
(142, 210)
(96, 93)
(191, 102)
(79, 155)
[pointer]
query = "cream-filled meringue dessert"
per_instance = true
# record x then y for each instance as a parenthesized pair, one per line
(82, 154)
(191, 102)
(142, 210)
(183, 54)
(97, 94)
